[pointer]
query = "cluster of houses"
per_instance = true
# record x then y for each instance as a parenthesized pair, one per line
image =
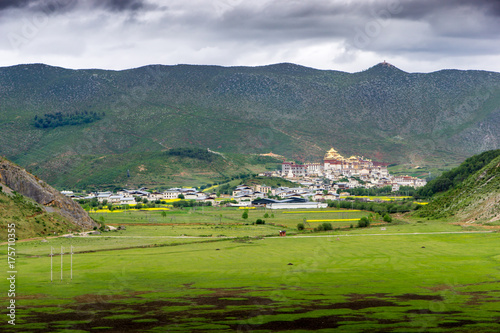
(310, 193)
(128, 197)
(242, 195)
(358, 171)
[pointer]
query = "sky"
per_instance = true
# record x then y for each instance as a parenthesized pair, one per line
(351, 36)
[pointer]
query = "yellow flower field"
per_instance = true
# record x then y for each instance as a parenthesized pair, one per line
(121, 210)
(336, 220)
(322, 211)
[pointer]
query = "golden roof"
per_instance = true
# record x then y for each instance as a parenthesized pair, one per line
(332, 154)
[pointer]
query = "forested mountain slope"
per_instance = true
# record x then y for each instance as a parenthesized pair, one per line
(477, 198)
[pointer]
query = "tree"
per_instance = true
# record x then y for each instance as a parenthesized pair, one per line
(327, 226)
(164, 214)
(387, 218)
(260, 221)
(300, 226)
(266, 215)
(181, 196)
(245, 214)
(363, 222)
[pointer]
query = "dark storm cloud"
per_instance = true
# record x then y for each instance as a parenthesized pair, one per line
(4, 4)
(287, 20)
(56, 5)
(418, 9)
(335, 19)
(121, 5)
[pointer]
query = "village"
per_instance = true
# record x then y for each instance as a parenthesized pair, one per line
(317, 183)
(345, 173)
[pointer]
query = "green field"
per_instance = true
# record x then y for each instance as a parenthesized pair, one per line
(198, 274)
(209, 215)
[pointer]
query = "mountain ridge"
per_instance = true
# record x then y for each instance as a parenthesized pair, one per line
(296, 111)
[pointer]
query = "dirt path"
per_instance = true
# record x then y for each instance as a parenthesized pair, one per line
(309, 236)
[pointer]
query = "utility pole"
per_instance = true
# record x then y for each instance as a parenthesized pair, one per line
(62, 249)
(51, 256)
(71, 262)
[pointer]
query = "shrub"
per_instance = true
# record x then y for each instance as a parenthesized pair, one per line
(327, 226)
(387, 218)
(363, 222)
(266, 215)
(259, 221)
(245, 214)
(300, 226)
(319, 228)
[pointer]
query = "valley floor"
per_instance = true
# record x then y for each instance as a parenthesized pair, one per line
(212, 271)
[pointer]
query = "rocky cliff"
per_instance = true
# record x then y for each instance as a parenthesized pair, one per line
(28, 185)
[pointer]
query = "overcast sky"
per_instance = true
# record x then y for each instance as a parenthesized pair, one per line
(414, 35)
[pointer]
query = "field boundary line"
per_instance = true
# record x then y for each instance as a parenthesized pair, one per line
(394, 234)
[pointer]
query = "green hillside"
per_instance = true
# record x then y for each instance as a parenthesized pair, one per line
(58, 122)
(30, 219)
(477, 198)
(454, 178)
(162, 169)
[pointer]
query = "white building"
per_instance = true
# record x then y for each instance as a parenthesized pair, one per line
(292, 170)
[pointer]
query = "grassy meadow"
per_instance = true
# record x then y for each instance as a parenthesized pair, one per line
(209, 270)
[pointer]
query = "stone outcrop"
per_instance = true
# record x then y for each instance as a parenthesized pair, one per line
(28, 185)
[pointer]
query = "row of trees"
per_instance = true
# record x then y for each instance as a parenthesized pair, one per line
(363, 222)
(190, 203)
(386, 190)
(400, 206)
(56, 119)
